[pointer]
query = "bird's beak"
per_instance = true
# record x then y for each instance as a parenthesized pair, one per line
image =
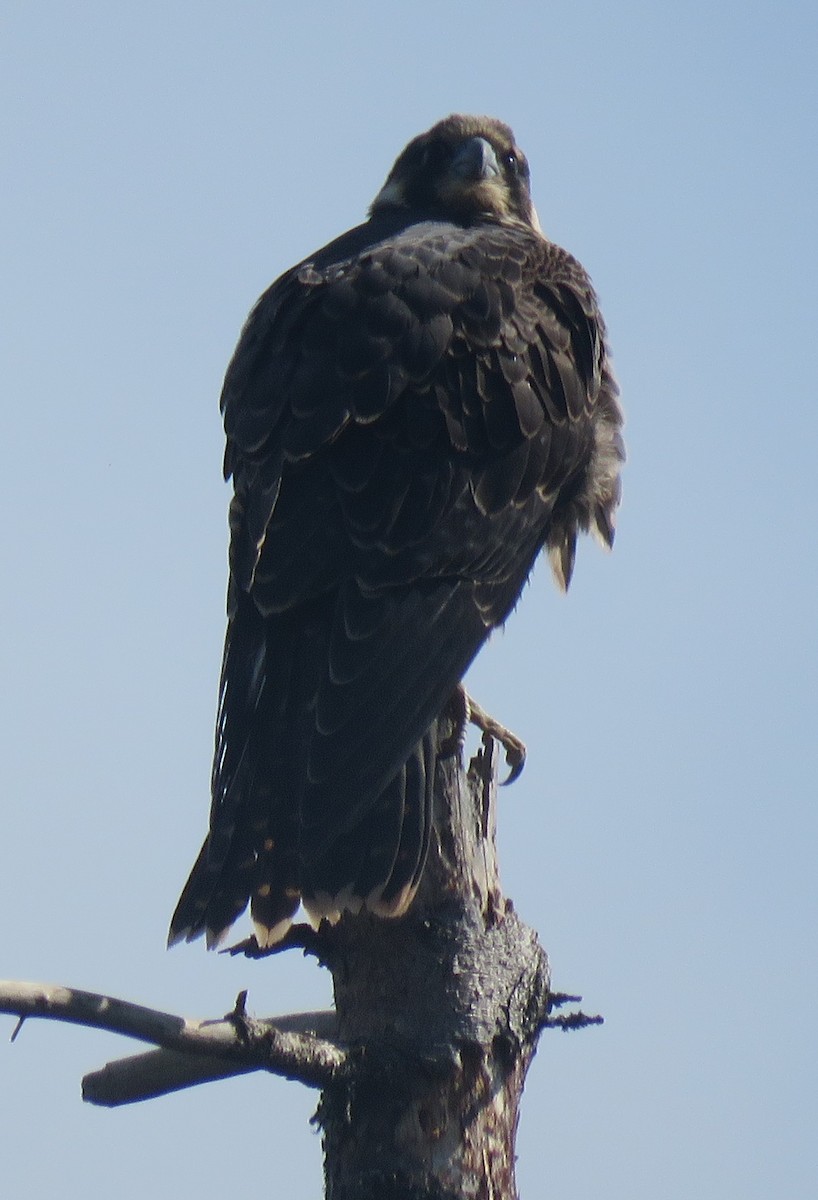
(475, 160)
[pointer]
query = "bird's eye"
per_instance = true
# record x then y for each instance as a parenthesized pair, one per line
(516, 165)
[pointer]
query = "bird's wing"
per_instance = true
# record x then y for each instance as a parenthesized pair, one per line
(476, 348)
(404, 427)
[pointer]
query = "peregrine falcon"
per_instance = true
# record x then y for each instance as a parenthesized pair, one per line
(413, 413)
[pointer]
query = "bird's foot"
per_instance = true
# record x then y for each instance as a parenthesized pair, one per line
(471, 713)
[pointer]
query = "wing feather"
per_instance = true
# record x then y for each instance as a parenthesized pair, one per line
(412, 415)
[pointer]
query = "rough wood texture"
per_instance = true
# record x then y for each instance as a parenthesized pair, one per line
(441, 1012)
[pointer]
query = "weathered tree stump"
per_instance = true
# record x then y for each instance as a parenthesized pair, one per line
(441, 1012)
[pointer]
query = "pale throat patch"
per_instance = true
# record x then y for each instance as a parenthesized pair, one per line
(392, 193)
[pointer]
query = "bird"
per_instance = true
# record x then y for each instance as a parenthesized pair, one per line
(413, 414)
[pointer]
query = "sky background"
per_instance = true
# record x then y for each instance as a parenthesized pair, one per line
(162, 163)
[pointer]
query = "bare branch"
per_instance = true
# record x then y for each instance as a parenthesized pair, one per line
(158, 1072)
(154, 1073)
(235, 1041)
(298, 937)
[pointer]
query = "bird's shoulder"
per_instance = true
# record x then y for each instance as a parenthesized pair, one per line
(395, 305)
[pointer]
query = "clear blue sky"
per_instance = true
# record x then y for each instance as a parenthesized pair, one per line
(162, 164)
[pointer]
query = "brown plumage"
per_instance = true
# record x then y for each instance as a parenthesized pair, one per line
(412, 415)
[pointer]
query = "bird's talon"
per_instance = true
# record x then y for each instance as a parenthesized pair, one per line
(513, 746)
(515, 759)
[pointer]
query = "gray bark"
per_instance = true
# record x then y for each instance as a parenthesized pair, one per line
(441, 1012)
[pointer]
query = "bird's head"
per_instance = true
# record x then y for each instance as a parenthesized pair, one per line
(463, 169)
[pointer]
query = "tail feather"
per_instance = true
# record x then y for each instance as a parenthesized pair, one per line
(325, 760)
(214, 896)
